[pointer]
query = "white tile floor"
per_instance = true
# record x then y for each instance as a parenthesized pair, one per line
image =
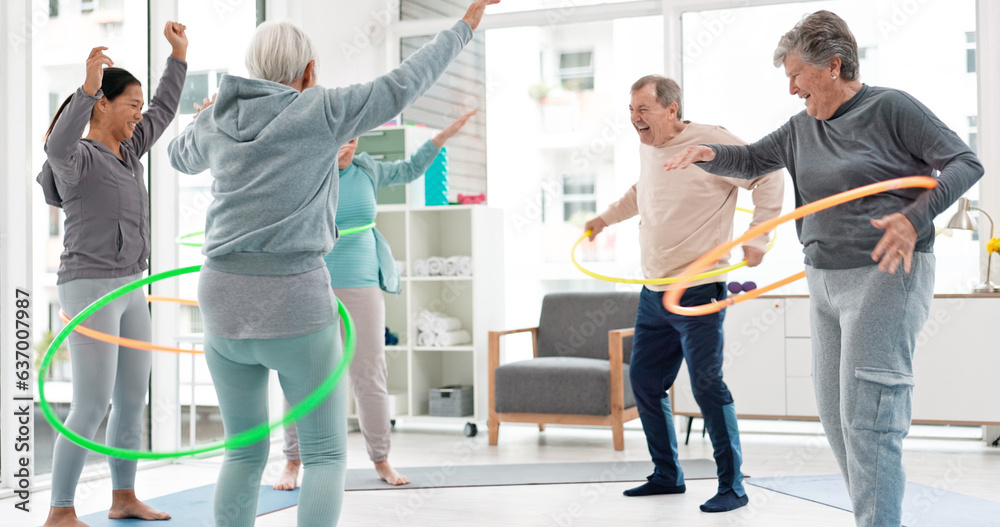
(958, 465)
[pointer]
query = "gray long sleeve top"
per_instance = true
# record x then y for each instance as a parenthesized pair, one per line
(105, 198)
(877, 135)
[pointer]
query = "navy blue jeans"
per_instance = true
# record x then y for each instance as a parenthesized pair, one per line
(662, 340)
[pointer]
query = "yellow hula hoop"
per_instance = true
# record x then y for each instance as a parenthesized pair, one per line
(669, 279)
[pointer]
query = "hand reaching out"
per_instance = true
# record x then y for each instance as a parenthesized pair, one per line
(452, 129)
(475, 13)
(691, 154)
(204, 104)
(95, 70)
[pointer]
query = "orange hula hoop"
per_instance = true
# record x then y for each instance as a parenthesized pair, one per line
(131, 343)
(671, 300)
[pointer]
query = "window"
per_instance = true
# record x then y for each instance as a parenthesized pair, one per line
(579, 198)
(576, 71)
(561, 147)
(197, 87)
(970, 51)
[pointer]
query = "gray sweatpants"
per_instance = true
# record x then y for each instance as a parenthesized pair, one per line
(103, 372)
(864, 329)
(368, 373)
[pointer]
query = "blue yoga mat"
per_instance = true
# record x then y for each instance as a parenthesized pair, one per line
(923, 506)
(193, 507)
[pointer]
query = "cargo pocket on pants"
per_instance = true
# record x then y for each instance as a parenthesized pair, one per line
(883, 400)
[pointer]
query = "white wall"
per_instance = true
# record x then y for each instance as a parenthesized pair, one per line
(351, 42)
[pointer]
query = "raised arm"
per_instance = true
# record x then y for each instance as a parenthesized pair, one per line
(403, 172)
(163, 106)
(737, 161)
(67, 130)
(357, 109)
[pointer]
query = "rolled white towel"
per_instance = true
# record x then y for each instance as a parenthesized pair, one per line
(464, 266)
(445, 324)
(435, 266)
(426, 319)
(452, 338)
(420, 268)
(425, 339)
(450, 266)
(401, 265)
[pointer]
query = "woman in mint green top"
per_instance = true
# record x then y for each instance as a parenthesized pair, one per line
(361, 267)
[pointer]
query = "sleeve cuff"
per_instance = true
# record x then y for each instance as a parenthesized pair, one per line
(464, 31)
(99, 96)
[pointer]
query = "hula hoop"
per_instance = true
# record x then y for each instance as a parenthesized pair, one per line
(180, 239)
(131, 343)
(247, 437)
(661, 281)
(671, 300)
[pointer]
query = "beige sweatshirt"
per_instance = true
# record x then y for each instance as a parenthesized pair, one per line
(686, 213)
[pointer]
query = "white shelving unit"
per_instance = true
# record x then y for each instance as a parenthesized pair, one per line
(417, 233)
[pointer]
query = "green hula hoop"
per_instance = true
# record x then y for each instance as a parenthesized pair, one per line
(180, 239)
(240, 440)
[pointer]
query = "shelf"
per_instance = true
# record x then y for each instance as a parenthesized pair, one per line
(436, 278)
(444, 348)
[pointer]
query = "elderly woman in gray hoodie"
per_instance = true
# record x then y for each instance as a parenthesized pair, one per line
(272, 142)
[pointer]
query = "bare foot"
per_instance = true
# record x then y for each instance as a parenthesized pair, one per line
(389, 475)
(124, 504)
(63, 517)
(290, 476)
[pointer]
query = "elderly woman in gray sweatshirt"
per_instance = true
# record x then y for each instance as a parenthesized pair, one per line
(272, 142)
(869, 263)
(98, 181)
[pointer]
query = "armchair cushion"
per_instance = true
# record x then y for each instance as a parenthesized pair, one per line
(577, 324)
(558, 385)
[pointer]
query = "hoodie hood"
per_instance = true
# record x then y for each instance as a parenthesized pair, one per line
(245, 107)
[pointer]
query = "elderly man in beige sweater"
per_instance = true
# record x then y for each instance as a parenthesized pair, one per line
(684, 214)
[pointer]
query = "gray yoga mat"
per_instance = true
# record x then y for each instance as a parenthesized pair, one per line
(527, 474)
(923, 506)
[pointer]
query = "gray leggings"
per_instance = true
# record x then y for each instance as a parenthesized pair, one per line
(103, 372)
(368, 373)
(240, 370)
(864, 329)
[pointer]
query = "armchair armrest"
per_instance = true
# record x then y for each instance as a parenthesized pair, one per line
(615, 341)
(494, 362)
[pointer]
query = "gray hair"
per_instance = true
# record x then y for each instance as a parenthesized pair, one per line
(818, 38)
(279, 52)
(667, 90)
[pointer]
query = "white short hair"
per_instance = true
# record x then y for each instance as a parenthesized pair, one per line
(279, 52)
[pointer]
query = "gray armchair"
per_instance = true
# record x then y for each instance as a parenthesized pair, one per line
(579, 373)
